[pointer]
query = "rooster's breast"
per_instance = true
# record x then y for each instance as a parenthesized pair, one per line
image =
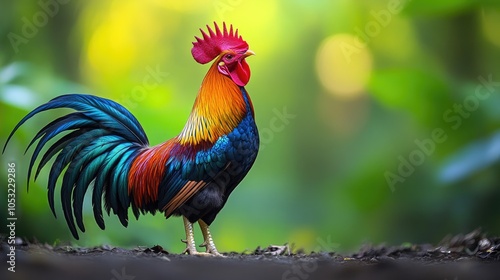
(235, 154)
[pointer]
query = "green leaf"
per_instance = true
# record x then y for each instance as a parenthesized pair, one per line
(423, 94)
(433, 7)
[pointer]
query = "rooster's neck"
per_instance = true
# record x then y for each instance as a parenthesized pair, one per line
(218, 109)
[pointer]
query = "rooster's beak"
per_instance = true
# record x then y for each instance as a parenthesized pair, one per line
(248, 53)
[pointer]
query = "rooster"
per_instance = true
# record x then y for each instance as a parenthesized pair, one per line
(190, 175)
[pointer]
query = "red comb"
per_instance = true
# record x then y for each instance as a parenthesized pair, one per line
(206, 49)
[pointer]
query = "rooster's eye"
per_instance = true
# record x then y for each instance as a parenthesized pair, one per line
(229, 57)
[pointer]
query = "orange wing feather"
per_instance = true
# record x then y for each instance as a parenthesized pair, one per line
(146, 173)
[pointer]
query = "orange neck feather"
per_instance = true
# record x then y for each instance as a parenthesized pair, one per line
(217, 110)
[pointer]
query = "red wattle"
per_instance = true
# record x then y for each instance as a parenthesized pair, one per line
(241, 74)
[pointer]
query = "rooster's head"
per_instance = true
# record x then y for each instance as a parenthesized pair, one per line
(229, 49)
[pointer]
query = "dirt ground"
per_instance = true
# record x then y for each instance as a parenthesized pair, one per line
(469, 256)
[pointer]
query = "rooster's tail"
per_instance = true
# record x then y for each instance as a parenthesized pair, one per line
(102, 141)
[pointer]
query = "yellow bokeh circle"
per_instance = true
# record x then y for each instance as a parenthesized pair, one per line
(344, 65)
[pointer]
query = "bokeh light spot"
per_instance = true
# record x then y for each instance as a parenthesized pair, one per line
(343, 65)
(491, 25)
(117, 44)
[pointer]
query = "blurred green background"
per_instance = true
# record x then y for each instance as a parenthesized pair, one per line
(379, 119)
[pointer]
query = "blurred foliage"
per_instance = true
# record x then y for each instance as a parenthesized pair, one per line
(365, 81)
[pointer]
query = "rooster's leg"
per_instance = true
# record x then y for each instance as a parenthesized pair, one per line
(208, 242)
(190, 244)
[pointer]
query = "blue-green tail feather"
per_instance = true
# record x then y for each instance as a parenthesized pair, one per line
(102, 139)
